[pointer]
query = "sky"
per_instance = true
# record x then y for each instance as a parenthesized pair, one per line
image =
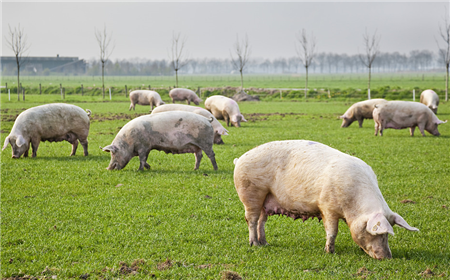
(144, 30)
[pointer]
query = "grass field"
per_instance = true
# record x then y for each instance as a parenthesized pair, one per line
(70, 217)
(342, 81)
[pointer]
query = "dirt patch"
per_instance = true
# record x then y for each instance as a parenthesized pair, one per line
(113, 117)
(408, 201)
(263, 116)
(230, 275)
(4, 131)
(25, 277)
(164, 265)
(363, 273)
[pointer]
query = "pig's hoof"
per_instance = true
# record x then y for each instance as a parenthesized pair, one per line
(329, 249)
(263, 243)
(147, 166)
(254, 242)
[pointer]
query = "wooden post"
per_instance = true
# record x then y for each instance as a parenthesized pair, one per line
(6, 86)
(82, 90)
(126, 91)
(40, 89)
(23, 94)
(149, 87)
(64, 93)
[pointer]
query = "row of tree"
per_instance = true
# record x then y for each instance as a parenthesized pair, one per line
(323, 63)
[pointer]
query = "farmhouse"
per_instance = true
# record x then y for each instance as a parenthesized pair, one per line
(44, 65)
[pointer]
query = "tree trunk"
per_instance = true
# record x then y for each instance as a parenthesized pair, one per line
(446, 85)
(242, 81)
(368, 86)
(103, 79)
(176, 77)
(18, 78)
(306, 81)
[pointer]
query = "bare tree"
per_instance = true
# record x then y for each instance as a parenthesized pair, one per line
(177, 58)
(17, 41)
(444, 52)
(371, 45)
(306, 52)
(242, 51)
(106, 49)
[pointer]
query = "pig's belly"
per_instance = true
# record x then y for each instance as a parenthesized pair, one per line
(172, 149)
(273, 207)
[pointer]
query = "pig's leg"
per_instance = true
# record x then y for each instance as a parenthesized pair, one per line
(331, 228)
(188, 101)
(34, 147)
(252, 216)
(84, 143)
(74, 147)
(143, 160)
(198, 157)
(422, 129)
(173, 101)
(26, 152)
(377, 127)
(360, 122)
(226, 118)
(131, 106)
(212, 157)
(411, 130)
(261, 232)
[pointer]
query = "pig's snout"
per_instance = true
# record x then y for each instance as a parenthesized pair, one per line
(381, 254)
(14, 156)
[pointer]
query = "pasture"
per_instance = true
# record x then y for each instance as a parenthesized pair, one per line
(70, 217)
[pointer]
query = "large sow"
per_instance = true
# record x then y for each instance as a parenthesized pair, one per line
(430, 99)
(172, 132)
(224, 108)
(181, 94)
(145, 97)
(219, 130)
(51, 122)
(304, 179)
(360, 111)
(404, 114)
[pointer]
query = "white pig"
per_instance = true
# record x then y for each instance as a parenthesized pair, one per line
(304, 179)
(224, 108)
(181, 94)
(430, 99)
(219, 130)
(145, 97)
(360, 111)
(51, 122)
(172, 132)
(403, 114)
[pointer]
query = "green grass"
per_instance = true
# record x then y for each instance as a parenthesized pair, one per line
(67, 216)
(403, 80)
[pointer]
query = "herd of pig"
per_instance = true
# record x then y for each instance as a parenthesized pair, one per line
(297, 178)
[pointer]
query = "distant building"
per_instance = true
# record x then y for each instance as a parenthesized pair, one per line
(44, 65)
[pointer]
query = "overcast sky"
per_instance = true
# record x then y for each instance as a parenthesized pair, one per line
(144, 29)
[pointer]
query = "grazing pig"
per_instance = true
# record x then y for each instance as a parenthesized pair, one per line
(403, 114)
(430, 99)
(219, 130)
(304, 179)
(145, 97)
(51, 122)
(359, 111)
(172, 132)
(181, 94)
(224, 108)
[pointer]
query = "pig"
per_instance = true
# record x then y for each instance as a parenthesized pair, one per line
(304, 179)
(430, 99)
(51, 122)
(224, 108)
(403, 114)
(219, 130)
(180, 94)
(175, 132)
(145, 97)
(360, 111)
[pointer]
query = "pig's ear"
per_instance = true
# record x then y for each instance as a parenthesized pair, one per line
(111, 149)
(398, 220)
(243, 119)
(20, 141)
(222, 131)
(378, 224)
(439, 122)
(6, 143)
